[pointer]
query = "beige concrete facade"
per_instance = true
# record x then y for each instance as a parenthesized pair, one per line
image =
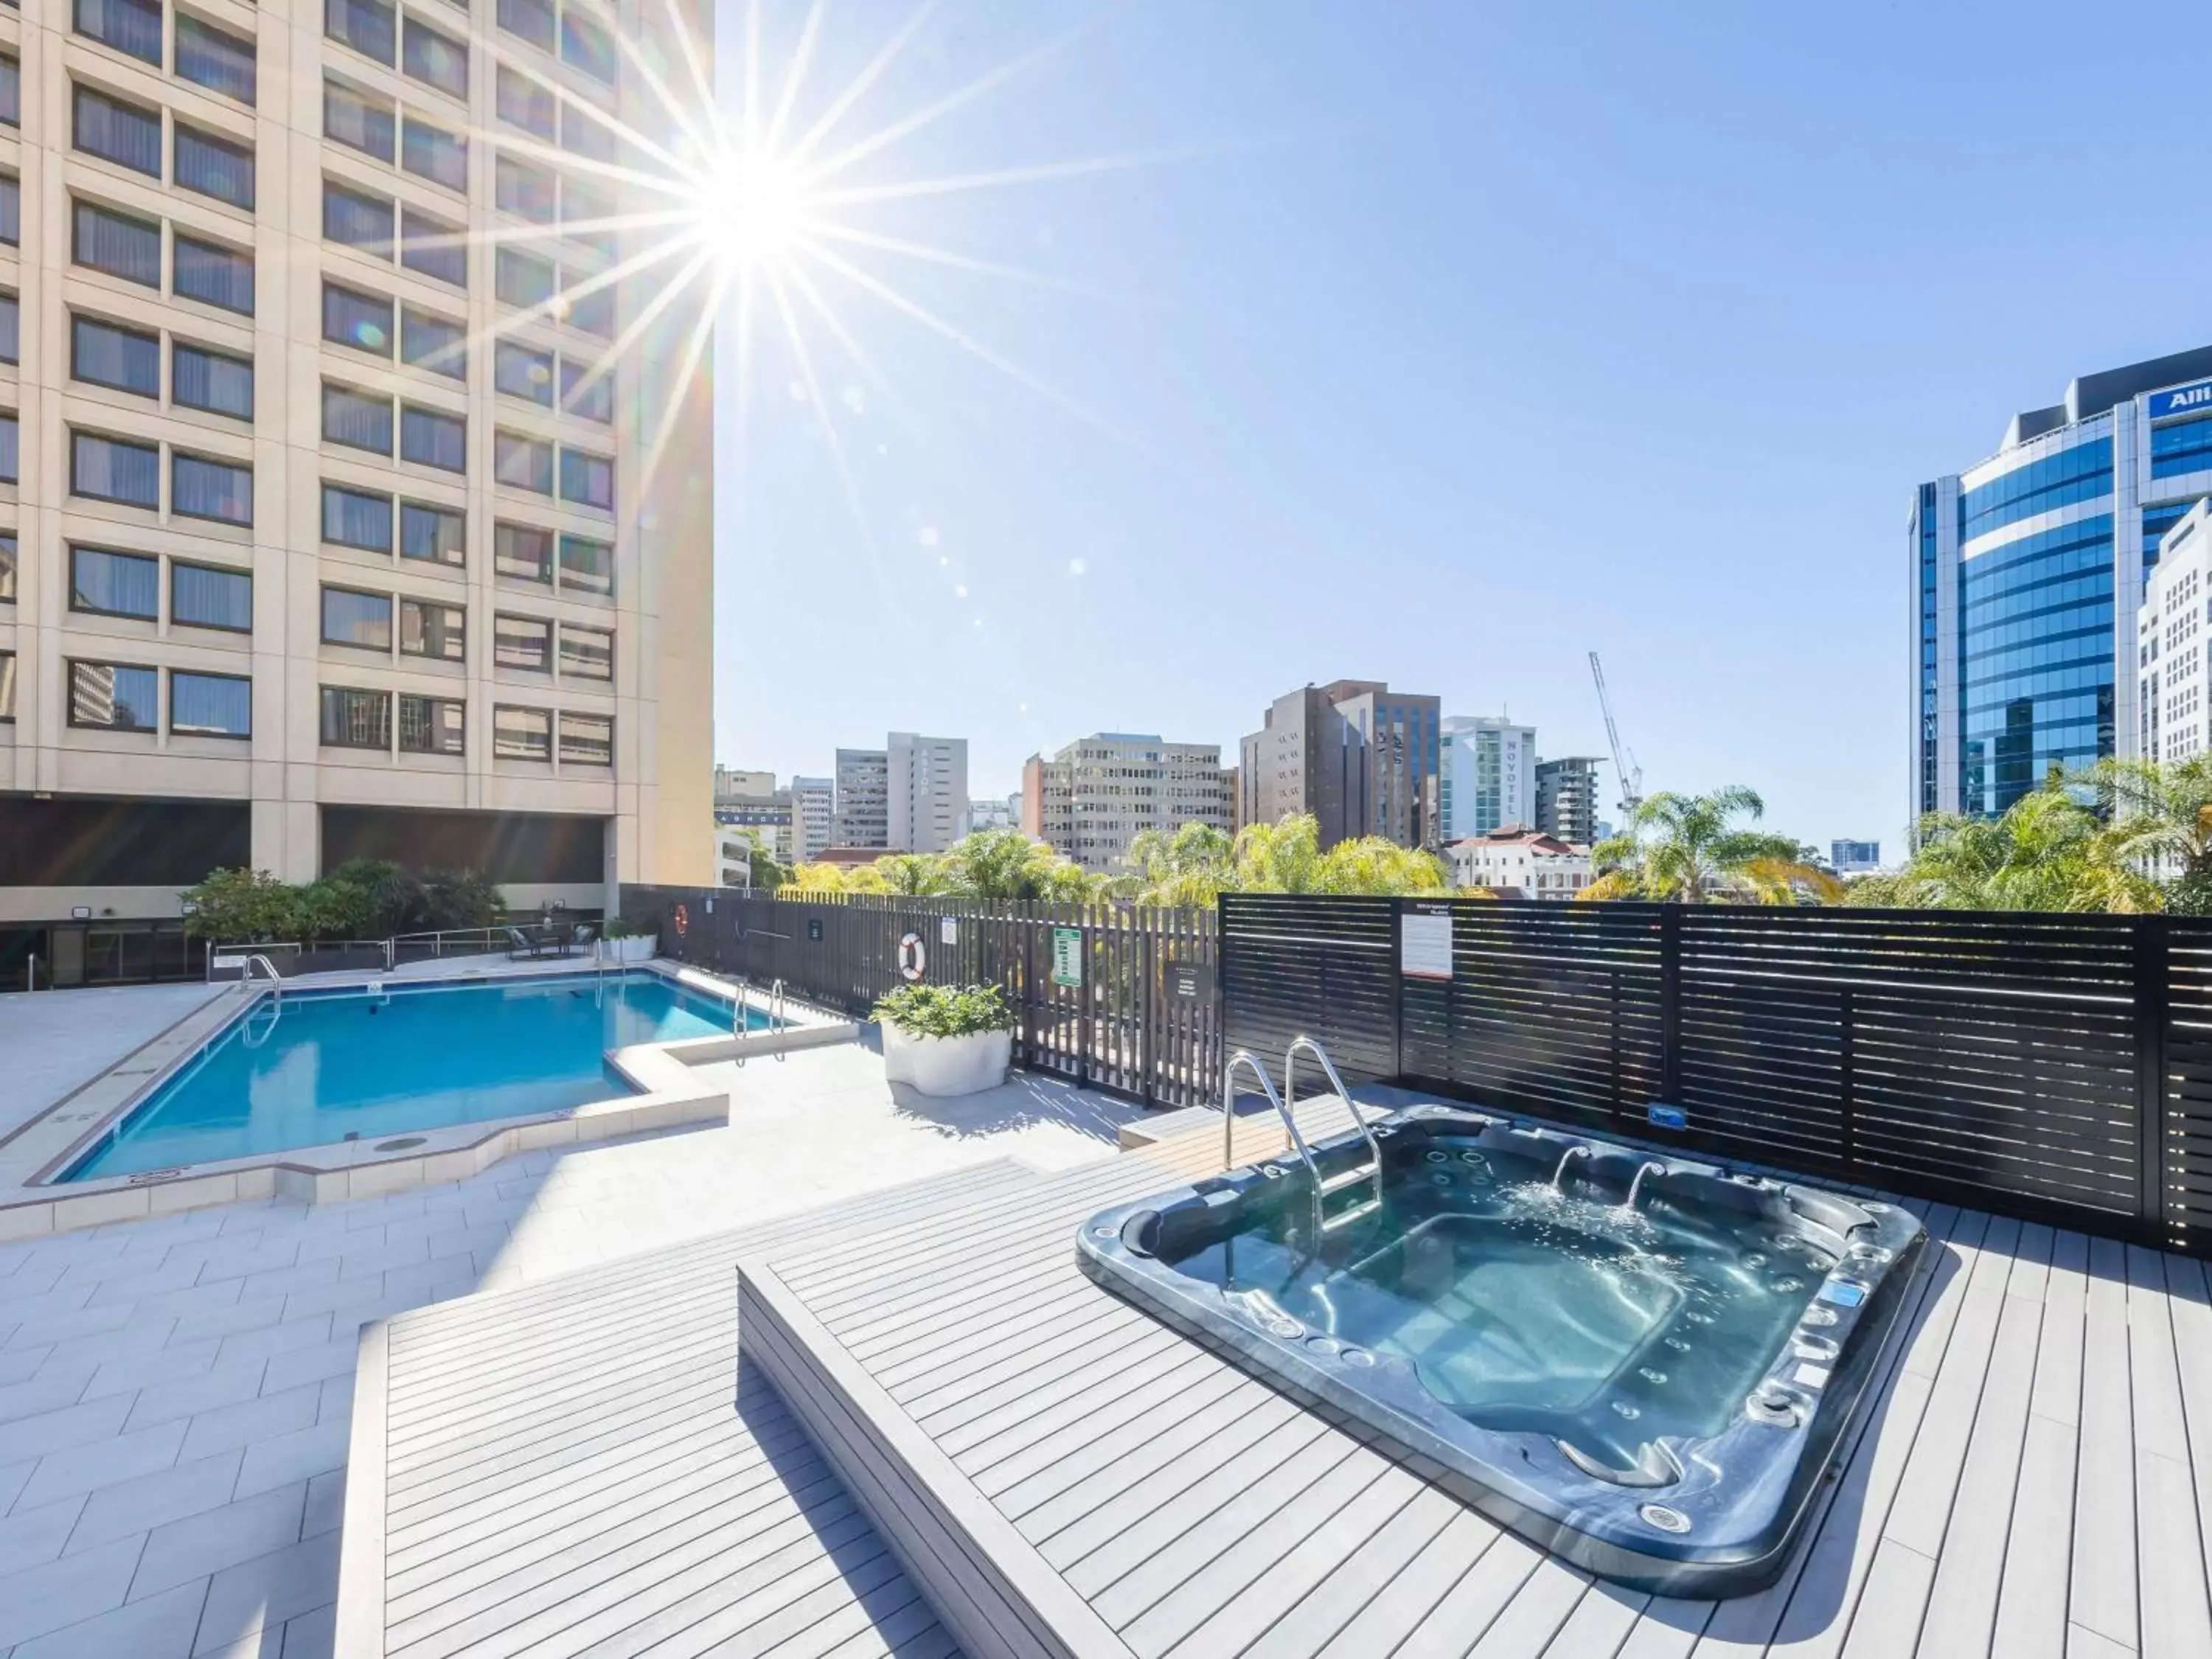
(653, 793)
(1095, 796)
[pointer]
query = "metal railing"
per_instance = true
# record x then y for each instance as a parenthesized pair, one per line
(226, 954)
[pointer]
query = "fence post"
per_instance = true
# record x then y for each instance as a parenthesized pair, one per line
(2152, 952)
(1670, 1004)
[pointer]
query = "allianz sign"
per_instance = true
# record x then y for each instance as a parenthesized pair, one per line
(2182, 400)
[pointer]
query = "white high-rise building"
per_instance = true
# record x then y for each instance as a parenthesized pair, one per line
(1487, 774)
(325, 523)
(812, 814)
(926, 793)
(1093, 798)
(2174, 641)
(863, 787)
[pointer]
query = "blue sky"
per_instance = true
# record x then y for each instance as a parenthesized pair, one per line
(1436, 343)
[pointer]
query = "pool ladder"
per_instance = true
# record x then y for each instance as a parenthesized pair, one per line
(1284, 1103)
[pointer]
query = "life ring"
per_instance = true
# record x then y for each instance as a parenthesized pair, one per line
(913, 957)
(682, 917)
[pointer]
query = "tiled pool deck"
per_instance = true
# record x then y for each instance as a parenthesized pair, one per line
(175, 1392)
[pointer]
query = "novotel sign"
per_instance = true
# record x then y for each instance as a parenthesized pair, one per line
(2182, 400)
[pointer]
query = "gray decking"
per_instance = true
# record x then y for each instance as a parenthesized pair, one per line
(583, 1467)
(563, 1469)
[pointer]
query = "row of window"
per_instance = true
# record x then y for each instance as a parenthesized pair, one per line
(355, 717)
(401, 40)
(129, 135)
(377, 227)
(112, 696)
(107, 354)
(124, 245)
(107, 582)
(2079, 474)
(363, 121)
(361, 321)
(366, 521)
(428, 628)
(2181, 447)
(129, 472)
(583, 42)
(203, 54)
(362, 420)
(523, 101)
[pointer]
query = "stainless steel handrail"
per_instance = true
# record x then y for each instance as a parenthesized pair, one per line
(1291, 1094)
(1245, 1057)
(245, 976)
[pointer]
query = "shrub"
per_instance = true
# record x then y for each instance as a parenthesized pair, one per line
(945, 1010)
(616, 927)
(245, 906)
(362, 898)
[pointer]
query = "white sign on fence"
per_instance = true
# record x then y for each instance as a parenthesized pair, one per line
(1424, 949)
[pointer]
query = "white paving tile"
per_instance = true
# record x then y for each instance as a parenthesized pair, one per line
(31, 1537)
(326, 1504)
(103, 1463)
(159, 1627)
(153, 1500)
(43, 1433)
(253, 1418)
(203, 1544)
(296, 1456)
(67, 1591)
(268, 1590)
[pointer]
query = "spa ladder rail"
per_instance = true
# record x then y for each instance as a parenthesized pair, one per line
(1322, 1186)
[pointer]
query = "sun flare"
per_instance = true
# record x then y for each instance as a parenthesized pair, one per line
(753, 207)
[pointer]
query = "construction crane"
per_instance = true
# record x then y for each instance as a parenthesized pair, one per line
(1624, 762)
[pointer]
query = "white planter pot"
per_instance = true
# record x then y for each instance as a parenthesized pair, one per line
(947, 1065)
(627, 950)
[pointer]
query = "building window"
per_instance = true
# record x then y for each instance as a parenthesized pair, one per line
(201, 487)
(588, 395)
(583, 203)
(360, 620)
(212, 380)
(528, 192)
(521, 102)
(523, 552)
(522, 279)
(115, 696)
(587, 479)
(116, 132)
(592, 310)
(357, 221)
(354, 719)
(216, 276)
(11, 218)
(10, 448)
(522, 373)
(521, 734)
(434, 59)
(528, 20)
(115, 470)
(210, 705)
(435, 343)
(357, 120)
(430, 726)
(522, 643)
(11, 91)
(432, 152)
(366, 25)
(431, 439)
(586, 46)
(7, 686)
(103, 354)
(11, 328)
(524, 463)
(352, 318)
(352, 518)
(211, 58)
(356, 419)
(436, 535)
(587, 566)
(130, 25)
(202, 595)
(116, 243)
(587, 739)
(433, 247)
(106, 584)
(213, 167)
(433, 631)
(584, 132)
(7, 567)
(586, 653)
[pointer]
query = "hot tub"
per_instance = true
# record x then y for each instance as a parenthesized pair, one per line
(1649, 1390)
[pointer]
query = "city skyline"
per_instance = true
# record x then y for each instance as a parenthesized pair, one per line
(1343, 397)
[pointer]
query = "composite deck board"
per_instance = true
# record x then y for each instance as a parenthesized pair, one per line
(2032, 1463)
(586, 1467)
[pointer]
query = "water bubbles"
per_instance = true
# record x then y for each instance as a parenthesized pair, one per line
(1787, 1286)
(1625, 1409)
(1651, 1375)
(1755, 1260)
(1678, 1344)
(1697, 1318)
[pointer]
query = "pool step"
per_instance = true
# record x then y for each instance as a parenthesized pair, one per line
(1345, 1217)
(1343, 1178)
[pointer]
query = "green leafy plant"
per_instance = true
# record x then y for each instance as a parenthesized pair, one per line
(945, 1010)
(616, 927)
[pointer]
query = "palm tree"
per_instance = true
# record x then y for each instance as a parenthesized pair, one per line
(1188, 868)
(1283, 857)
(913, 875)
(2047, 853)
(1371, 864)
(1005, 864)
(2160, 819)
(1686, 849)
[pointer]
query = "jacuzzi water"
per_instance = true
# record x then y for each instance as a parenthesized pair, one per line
(325, 1066)
(1642, 1363)
(1525, 1306)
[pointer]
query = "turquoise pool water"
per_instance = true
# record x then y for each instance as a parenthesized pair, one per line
(338, 1064)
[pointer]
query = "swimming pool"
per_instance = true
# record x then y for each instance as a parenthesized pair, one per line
(1643, 1364)
(330, 1066)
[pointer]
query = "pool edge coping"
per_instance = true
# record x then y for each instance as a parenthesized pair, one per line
(40, 1204)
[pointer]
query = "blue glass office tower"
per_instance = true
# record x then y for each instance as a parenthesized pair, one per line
(2027, 571)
